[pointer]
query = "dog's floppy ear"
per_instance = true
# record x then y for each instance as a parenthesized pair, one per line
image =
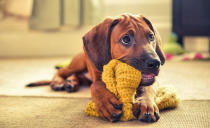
(159, 51)
(97, 43)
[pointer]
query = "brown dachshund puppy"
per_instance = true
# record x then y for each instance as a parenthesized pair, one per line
(129, 38)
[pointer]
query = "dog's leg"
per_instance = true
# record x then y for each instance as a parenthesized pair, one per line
(60, 80)
(145, 108)
(107, 105)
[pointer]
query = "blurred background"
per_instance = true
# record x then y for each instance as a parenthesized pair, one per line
(31, 28)
(36, 35)
(43, 28)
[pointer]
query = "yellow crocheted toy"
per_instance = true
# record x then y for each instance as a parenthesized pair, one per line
(122, 80)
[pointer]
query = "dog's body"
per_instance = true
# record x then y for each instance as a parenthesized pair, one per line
(131, 39)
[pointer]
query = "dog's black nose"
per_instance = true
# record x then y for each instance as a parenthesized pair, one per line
(152, 63)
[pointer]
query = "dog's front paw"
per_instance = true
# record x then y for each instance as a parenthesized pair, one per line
(71, 84)
(146, 111)
(57, 84)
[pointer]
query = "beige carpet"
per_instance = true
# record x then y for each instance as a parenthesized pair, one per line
(40, 112)
(16, 73)
(190, 79)
(41, 107)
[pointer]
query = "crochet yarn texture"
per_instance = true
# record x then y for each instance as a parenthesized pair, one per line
(122, 80)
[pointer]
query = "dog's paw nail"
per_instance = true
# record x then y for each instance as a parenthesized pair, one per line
(156, 116)
(69, 81)
(136, 113)
(116, 116)
(146, 117)
(58, 88)
(114, 120)
(68, 88)
(118, 106)
(150, 119)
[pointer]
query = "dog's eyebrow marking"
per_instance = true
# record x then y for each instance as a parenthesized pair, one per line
(125, 21)
(138, 26)
(134, 18)
(135, 25)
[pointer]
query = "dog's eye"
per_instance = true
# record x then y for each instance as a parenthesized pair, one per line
(151, 37)
(126, 40)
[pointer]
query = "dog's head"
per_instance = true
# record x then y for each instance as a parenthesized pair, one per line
(131, 39)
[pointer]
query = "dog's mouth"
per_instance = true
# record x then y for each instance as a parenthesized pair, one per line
(148, 75)
(147, 78)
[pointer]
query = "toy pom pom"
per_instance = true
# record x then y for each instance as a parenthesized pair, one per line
(166, 98)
